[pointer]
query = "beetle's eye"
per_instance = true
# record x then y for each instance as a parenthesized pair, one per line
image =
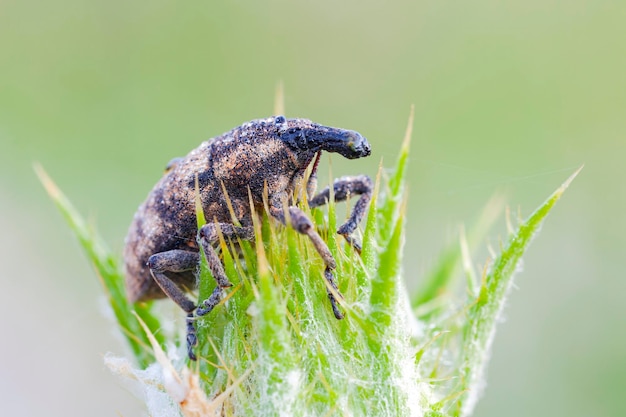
(279, 120)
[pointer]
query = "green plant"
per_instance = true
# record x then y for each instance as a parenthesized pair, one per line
(274, 348)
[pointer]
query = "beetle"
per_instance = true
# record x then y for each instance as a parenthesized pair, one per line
(262, 157)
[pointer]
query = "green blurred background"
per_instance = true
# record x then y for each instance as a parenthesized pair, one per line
(510, 97)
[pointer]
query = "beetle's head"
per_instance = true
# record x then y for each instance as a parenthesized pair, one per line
(302, 135)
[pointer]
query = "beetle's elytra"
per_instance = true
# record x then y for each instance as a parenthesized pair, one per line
(161, 255)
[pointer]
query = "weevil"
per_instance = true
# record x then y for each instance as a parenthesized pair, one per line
(232, 172)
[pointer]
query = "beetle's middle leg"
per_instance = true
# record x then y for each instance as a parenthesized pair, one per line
(343, 188)
(208, 236)
(302, 224)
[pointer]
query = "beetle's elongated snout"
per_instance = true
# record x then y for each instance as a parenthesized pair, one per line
(347, 143)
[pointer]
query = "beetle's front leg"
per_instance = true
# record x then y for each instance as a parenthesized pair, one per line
(302, 224)
(343, 188)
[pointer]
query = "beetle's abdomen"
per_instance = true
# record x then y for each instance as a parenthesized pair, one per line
(165, 221)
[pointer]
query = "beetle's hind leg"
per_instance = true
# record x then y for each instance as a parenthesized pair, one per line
(176, 261)
(343, 188)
